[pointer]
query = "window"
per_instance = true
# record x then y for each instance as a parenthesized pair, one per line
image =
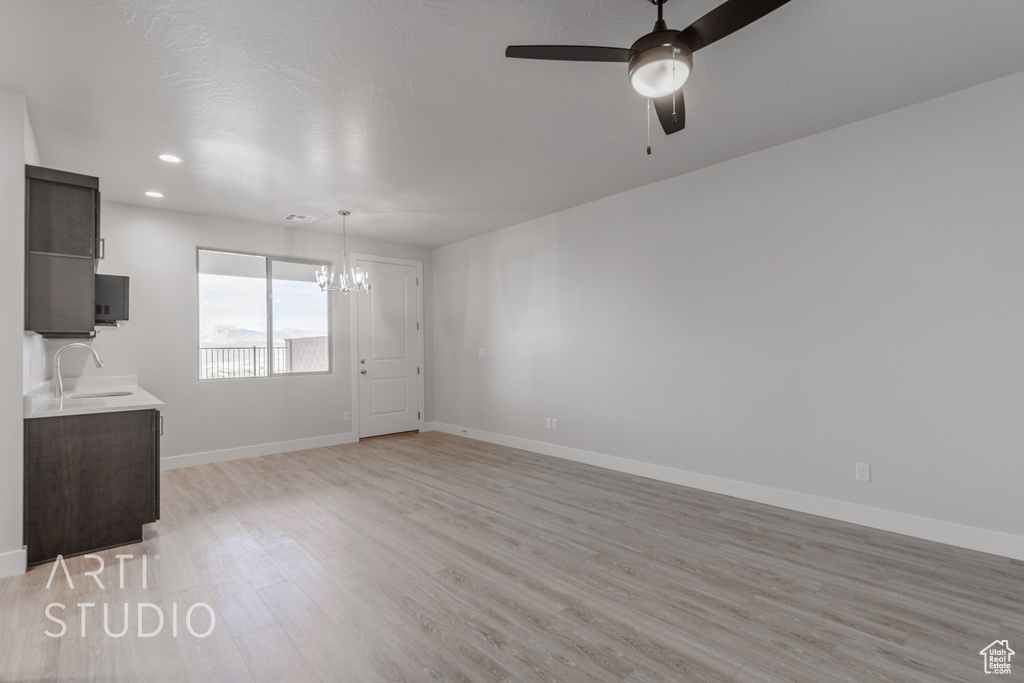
(242, 297)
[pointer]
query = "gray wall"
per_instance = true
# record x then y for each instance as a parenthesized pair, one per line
(852, 296)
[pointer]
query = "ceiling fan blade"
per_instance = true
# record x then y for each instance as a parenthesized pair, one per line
(571, 53)
(727, 18)
(663, 105)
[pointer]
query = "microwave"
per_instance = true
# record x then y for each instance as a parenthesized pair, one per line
(111, 300)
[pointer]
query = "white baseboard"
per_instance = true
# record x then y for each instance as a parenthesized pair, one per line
(427, 427)
(951, 533)
(177, 461)
(13, 563)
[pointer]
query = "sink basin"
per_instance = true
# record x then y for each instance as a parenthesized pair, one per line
(107, 394)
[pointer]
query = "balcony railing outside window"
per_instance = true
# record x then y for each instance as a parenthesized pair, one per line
(299, 355)
(243, 361)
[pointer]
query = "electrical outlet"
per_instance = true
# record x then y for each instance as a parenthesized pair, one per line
(547, 423)
(554, 423)
(346, 417)
(481, 352)
(863, 471)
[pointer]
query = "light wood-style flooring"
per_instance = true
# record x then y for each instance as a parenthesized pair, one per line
(428, 557)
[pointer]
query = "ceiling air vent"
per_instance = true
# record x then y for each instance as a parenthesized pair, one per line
(298, 218)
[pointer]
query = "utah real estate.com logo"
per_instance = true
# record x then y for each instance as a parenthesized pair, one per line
(997, 657)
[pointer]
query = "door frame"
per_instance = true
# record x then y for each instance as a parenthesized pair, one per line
(353, 258)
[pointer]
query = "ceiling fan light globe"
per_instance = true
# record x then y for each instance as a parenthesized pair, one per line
(659, 71)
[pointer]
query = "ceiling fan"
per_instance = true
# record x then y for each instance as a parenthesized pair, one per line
(661, 61)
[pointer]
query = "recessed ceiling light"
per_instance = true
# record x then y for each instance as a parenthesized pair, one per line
(170, 158)
(154, 195)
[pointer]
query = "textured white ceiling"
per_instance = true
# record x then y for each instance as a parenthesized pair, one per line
(407, 113)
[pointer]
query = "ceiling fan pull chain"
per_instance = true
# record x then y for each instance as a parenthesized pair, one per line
(648, 125)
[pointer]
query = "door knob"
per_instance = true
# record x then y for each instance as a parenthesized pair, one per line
(362, 372)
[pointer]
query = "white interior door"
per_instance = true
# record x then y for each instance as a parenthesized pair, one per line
(388, 350)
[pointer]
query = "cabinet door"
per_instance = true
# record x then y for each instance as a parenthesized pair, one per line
(88, 482)
(61, 295)
(62, 218)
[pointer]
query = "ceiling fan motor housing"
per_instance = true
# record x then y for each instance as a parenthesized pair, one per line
(659, 63)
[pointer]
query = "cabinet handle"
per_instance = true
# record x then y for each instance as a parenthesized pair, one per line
(161, 425)
(101, 248)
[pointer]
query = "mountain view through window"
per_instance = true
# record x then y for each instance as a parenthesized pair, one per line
(241, 297)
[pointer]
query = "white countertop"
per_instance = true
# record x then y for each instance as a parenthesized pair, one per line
(42, 402)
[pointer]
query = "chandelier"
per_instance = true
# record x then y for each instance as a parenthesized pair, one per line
(349, 280)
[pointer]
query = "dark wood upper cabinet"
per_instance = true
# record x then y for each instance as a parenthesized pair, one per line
(58, 301)
(62, 219)
(62, 234)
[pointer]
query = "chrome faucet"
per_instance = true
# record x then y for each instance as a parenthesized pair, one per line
(56, 363)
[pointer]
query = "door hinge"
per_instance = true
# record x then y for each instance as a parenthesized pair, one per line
(418, 416)
(417, 371)
(417, 280)
(417, 326)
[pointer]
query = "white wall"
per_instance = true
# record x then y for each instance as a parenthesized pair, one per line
(157, 250)
(33, 361)
(12, 282)
(853, 296)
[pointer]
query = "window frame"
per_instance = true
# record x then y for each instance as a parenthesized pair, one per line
(268, 277)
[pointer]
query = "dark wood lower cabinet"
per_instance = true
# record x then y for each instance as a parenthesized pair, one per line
(91, 481)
